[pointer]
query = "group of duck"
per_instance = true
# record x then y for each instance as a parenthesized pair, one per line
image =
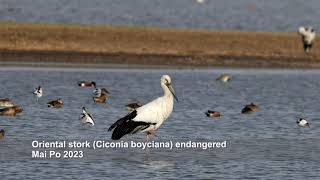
(249, 108)
(99, 95)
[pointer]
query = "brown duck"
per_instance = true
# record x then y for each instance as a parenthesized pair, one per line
(56, 103)
(10, 111)
(212, 113)
(250, 108)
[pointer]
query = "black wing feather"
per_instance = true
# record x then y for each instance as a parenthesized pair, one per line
(129, 116)
(129, 127)
(126, 125)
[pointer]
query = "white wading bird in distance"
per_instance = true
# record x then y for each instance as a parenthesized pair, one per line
(308, 35)
(38, 92)
(149, 117)
(302, 123)
(86, 117)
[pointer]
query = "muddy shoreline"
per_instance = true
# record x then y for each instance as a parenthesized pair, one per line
(104, 46)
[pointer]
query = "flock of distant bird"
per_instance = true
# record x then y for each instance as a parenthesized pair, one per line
(146, 118)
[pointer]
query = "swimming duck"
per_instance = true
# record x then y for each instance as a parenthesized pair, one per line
(38, 92)
(98, 92)
(224, 78)
(302, 123)
(100, 99)
(58, 103)
(2, 134)
(250, 108)
(212, 113)
(86, 117)
(87, 84)
(100, 95)
(6, 102)
(10, 111)
(134, 105)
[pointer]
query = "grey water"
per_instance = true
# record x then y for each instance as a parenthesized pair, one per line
(263, 145)
(253, 15)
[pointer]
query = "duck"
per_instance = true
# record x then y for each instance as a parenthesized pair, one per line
(250, 108)
(58, 103)
(100, 95)
(133, 106)
(308, 35)
(2, 134)
(86, 117)
(302, 122)
(87, 84)
(6, 102)
(212, 113)
(224, 78)
(38, 92)
(100, 99)
(11, 111)
(98, 92)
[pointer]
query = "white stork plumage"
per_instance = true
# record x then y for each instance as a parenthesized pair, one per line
(149, 117)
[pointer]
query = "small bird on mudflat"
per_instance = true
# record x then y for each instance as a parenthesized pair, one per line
(308, 35)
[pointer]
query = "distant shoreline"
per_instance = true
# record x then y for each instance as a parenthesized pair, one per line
(41, 45)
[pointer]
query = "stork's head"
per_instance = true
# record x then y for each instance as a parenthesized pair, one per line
(166, 80)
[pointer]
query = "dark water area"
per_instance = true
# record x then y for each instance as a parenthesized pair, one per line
(246, 15)
(264, 145)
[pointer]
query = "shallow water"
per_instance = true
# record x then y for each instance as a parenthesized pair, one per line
(267, 144)
(254, 15)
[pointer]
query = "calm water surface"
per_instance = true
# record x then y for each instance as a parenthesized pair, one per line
(254, 15)
(266, 144)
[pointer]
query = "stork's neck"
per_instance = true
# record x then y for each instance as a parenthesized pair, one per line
(166, 91)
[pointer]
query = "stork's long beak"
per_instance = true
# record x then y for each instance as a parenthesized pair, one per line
(172, 92)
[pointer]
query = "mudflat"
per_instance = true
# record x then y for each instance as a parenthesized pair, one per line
(104, 45)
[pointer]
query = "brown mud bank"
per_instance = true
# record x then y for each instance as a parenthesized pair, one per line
(103, 45)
